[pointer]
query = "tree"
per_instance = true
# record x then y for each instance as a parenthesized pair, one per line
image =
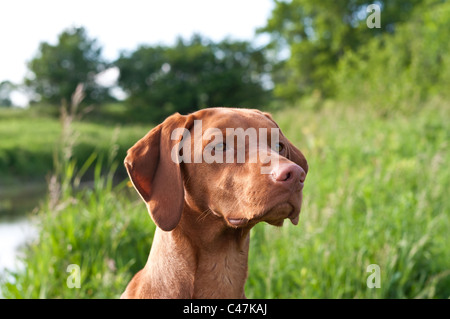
(58, 69)
(191, 75)
(401, 71)
(313, 35)
(6, 87)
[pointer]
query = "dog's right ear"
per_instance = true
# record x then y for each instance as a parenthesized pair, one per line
(155, 176)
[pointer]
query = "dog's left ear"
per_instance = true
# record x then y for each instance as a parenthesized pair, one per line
(155, 175)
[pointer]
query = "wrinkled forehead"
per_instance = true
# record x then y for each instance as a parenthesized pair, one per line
(223, 118)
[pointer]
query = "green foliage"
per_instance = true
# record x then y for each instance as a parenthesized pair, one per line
(90, 228)
(58, 69)
(376, 193)
(192, 75)
(400, 70)
(28, 138)
(317, 49)
(316, 34)
(6, 87)
(83, 226)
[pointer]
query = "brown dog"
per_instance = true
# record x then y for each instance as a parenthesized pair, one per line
(205, 209)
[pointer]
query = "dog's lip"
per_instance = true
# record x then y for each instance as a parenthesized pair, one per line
(291, 213)
(237, 221)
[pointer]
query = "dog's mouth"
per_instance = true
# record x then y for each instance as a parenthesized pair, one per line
(233, 222)
(274, 216)
(237, 222)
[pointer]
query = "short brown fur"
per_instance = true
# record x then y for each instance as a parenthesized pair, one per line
(204, 212)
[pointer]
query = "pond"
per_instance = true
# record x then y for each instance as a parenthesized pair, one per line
(16, 226)
(14, 231)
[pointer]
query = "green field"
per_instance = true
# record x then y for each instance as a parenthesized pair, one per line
(28, 139)
(376, 193)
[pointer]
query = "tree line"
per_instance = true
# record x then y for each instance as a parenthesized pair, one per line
(317, 47)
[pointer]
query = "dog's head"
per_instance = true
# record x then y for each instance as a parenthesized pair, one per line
(234, 164)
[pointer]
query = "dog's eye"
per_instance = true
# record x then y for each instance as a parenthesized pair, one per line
(220, 147)
(278, 147)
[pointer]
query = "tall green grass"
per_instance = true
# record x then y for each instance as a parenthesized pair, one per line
(28, 138)
(84, 225)
(376, 193)
(105, 234)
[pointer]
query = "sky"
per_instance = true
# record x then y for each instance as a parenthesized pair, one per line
(120, 25)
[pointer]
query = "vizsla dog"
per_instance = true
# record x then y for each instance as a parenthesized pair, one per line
(204, 208)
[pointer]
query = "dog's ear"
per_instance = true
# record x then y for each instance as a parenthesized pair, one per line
(156, 175)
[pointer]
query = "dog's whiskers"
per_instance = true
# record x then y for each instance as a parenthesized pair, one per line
(203, 215)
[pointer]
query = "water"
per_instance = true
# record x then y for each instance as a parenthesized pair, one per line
(16, 204)
(13, 234)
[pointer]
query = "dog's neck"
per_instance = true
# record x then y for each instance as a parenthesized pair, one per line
(211, 258)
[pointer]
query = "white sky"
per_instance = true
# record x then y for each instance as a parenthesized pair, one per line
(120, 25)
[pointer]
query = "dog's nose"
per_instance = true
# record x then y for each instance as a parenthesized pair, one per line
(288, 173)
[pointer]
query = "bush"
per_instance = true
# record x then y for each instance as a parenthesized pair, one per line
(400, 70)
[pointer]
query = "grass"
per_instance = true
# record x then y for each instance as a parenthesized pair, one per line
(376, 193)
(28, 139)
